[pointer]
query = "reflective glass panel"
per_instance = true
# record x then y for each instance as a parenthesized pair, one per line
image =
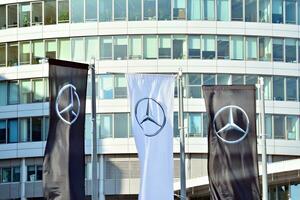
(194, 45)
(223, 47)
(31, 176)
(279, 127)
(120, 86)
(119, 10)
(277, 11)
(64, 49)
(121, 125)
(208, 9)
(179, 47)
(24, 14)
(50, 12)
(63, 11)
(77, 49)
(150, 47)
(264, 10)
(24, 124)
(2, 55)
(25, 51)
(4, 93)
(120, 47)
(106, 125)
(38, 90)
(36, 127)
(237, 10)
(2, 17)
(38, 51)
(292, 124)
(16, 174)
(106, 86)
(13, 92)
(25, 91)
(37, 13)
(237, 79)
(12, 131)
(91, 48)
(268, 125)
(265, 49)
(6, 175)
(237, 48)
(105, 48)
(251, 10)
(223, 79)
(277, 49)
(2, 131)
(291, 89)
(295, 191)
(164, 9)
(12, 54)
(251, 48)
(194, 86)
(12, 16)
(135, 47)
(90, 10)
(223, 10)
(290, 50)
(209, 79)
(195, 125)
(208, 47)
(178, 9)
(290, 11)
(134, 10)
(278, 88)
(105, 10)
(149, 9)
(77, 11)
(51, 48)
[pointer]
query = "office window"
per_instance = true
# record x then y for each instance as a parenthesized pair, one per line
(105, 48)
(46, 128)
(251, 79)
(291, 89)
(64, 49)
(175, 127)
(77, 11)
(16, 174)
(51, 48)
(106, 85)
(3, 92)
(24, 14)
(164, 9)
(292, 125)
(195, 125)
(205, 124)
(37, 128)
(50, 12)
(223, 79)
(38, 90)
(37, 13)
(277, 49)
(178, 9)
(25, 91)
(2, 131)
(119, 10)
(135, 47)
(194, 86)
(39, 172)
(120, 125)
(120, 86)
(24, 125)
(251, 48)
(2, 17)
(264, 11)
(92, 48)
(63, 11)
(6, 175)
(237, 10)
(268, 126)
(208, 47)
(12, 54)
(237, 79)
(12, 15)
(251, 10)
(149, 10)
(223, 10)
(38, 51)
(31, 176)
(290, 50)
(2, 55)
(279, 127)
(294, 191)
(209, 79)
(12, 130)
(88, 127)
(106, 125)
(223, 47)
(77, 49)
(120, 47)
(194, 9)
(13, 91)
(268, 87)
(134, 10)
(150, 47)
(25, 51)
(179, 47)
(208, 9)
(278, 88)
(277, 11)
(105, 10)
(290, 11)
(194, 45)
(164, 48)
(265, 49)
(91, 10)
(237, 48)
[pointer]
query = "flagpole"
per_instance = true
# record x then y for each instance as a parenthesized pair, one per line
(182, 137)
(263, 134)
(94, 145)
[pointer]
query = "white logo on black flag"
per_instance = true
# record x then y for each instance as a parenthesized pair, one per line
(232, 145)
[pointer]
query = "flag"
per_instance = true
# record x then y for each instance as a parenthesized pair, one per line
(151, 105)
(63, 167)
(232, 145)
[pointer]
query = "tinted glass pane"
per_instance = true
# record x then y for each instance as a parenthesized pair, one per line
(237, 10)
(106, 87)
(195, 124)
(37, 128)
(150, 47)
(279, 127)
(119, 10)
(90, 10)
(194, 45)
(77, 10)
(237, 79)
(291, 89)
(292, 127)
(209, 79)
(77, 49)
(25, 91)
(164, 9)
(193, 9)
(134, 10)
(223, 10)
(105, 10)
(4, 92)
(264, 10)
(120, 47)
(251, 48)
(12, 14)
(179, 47)
(2, 55)
(64, 49)
(13, 92)
(237, 48)
(25, 51)
(2, 131)
(120, 86)
(50, 12)
(223, 47)
(51, 48)
(290, 11)
(91, 48)
(6, 175)
(277, 49)
(63, 11)
(39, 172)
(106, 126)
(12, 131)
(149, 10)
(268, 126)
(178, 9)
(31, 176)
(164, 46)
(38, 51)
(2, 17)
(278, 88)
(194, 85)
(290, 50)
(208, 47)
(24, 14)
(24, 129)
(38, 90)
(277, 11)
(208, 10)
(121, 125)
(16, 174)
(37, 13)
(265, 49)
(105, 48)
(250, 11)
(12, 54)
(135, 47)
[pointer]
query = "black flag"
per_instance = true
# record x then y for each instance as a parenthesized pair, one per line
(232, 146)
(63, 167)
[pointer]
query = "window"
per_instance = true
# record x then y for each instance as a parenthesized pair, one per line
(135, 47)
(2, 17)
(194, 47)
(12, 130)
(208, 9)
(290, 11)
(64, 49)
(194, 9)
(12, 54)
(278, 88)
(279, 127)
(251, 48)
(91, 10)
(223, 79)
(265, 49)
(105, 48)
(51, 48)
(25, 91)
(106, 86)
(24, 125)
(92, 48)
(251, 79)
(223, 47)
(105, 10)
(194, 86)
(38, 51)
(277, 11)
(208, 47)
(16, 174)
(119, 10)
(50, 12)
(264, 11)
(209, 79)
(237, 48)
(3, 92)
(195, 125)
(164, 9)
(13, 91)
(120, 47)
(46, 128)
(25, 53)
(37, 13)
(38, 90)
(205, 124)
(134, 10)
(268, 87)
(164, 48)
(223, 10)
(175, 127)
(251, 10)
(6, 175)
(121, 125)
(63, 11)
(179, 9)
(149, 10)
(268, 126)
(2, 55)
(77, 49)
(237, 79)
(150, 47)
(77, 11)
(120, 86)
(24, 14)
(2, 131)
(179, 47)
(237, 10)
(12, 15)
(37, 128)
(292, 123)
(106, 125)
(290, 50)
(291, 89)
(31, 175)
(277, 49)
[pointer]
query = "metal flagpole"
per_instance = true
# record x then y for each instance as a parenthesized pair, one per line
(94, 146)
(263, 134)
(182, 143)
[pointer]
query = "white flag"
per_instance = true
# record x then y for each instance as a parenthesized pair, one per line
(151, 104)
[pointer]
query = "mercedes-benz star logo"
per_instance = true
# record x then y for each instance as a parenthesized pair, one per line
(223, 129)
(150, 116)
(67, 106)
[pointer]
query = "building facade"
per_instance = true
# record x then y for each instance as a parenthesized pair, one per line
(212, 41)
